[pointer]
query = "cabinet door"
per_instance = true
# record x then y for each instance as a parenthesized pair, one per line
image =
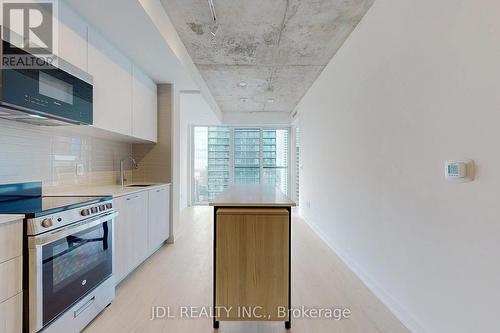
(72, 37)
(159, 226)
(122, 234)
(138, 206)
(11, 278)
(112, 74)
(11, 240)
(131, 233)
(144, 107)
(11, 315)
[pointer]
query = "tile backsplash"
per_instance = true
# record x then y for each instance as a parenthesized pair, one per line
(52, 154)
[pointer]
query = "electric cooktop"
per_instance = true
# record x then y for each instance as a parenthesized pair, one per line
(27, 199)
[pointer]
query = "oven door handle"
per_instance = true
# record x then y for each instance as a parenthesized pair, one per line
(50, 237)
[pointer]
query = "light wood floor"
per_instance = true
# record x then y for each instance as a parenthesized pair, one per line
(180, 274)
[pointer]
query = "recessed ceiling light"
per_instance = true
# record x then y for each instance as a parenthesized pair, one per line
(270, 100)
(243, 100)
(242, 84)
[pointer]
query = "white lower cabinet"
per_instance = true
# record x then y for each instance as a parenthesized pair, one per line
(131, 233)
(11, 278)
(11, 260)
(141, 227)
(159, 216)
(11, 314)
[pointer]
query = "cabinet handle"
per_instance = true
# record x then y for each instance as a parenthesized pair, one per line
(161, 190)
(132, 198)
(84, 307)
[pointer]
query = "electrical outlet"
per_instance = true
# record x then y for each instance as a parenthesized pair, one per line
(80, 170)
(308, 204)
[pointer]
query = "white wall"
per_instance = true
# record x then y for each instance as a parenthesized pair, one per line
(194, 110)
(418, 82)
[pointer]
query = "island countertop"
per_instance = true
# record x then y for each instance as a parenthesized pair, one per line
(250, 195)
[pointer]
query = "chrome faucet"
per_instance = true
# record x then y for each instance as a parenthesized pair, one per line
(135, 164)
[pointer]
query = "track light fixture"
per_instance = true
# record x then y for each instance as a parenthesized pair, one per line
(214, 27)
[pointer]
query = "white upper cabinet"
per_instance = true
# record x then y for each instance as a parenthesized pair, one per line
(144, 107)
(112, 74)
(125, 98)
(72, 37)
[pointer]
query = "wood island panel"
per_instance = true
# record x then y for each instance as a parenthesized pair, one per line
(252, 257)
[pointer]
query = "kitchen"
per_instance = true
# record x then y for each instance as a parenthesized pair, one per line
(248, 166)
(88, 145)
(74, 221)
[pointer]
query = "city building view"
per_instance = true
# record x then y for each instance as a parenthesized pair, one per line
(225, 156)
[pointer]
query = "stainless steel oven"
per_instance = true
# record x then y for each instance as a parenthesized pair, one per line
(65, 265)
(67, 256)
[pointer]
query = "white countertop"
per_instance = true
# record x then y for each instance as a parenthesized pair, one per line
(6, 218)
(252, 196)
(113, 190)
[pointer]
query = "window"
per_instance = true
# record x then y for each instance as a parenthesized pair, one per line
(218, 160)
(225, 155)
(200, 165)
(275, 158)
(247, 156)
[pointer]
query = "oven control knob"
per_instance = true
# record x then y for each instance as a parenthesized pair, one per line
(85, 212)
(109, 206)
(47, 223)
(102, 208)
(94, 210)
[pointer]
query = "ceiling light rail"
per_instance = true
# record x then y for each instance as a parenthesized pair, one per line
(214, 27)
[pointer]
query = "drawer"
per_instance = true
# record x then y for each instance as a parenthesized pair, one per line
(11, 278)
(76, 318)
(11, 240)
(11, 315)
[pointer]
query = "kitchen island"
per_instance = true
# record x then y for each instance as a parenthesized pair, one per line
(252, 255)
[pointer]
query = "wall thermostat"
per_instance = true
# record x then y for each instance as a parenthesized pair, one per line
(462, 171)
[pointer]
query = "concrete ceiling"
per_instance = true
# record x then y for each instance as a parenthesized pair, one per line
(151, 42)
(160, 64)
(277, 47)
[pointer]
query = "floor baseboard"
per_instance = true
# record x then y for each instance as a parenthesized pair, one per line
(393, 305)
